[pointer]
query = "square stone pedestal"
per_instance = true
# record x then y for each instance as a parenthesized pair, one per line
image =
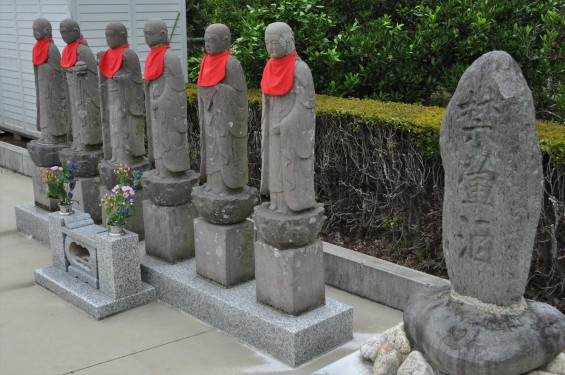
(40, 190)
(224, 253)
(291, 280)
(134, 223)
(87, 194)
(169, 230)
(33, 221)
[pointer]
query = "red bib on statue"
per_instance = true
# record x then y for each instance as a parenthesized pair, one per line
(213, 69)
(111, 61)
(40, 51)
(278, 75)
(155, 63)
(69, 55)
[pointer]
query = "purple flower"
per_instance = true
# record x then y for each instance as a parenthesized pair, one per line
(72, 185)
(74, 165)
(125, 211)
(130, 198)
(69, 165)
(134, 187)
(69, 194)
(72, 177)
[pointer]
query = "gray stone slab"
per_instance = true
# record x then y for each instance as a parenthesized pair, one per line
(352, 364)
(33, 221)
(224, 253)
(88, 298)
(292, 340)
(87, 194)
(14, 161)
(86, 233)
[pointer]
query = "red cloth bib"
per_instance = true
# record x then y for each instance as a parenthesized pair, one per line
(213, 69)
(278, 75)
(69, 55)
(155, 63)
(111, 60)
(40, 51)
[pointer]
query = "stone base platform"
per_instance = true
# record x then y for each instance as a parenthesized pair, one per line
(33, 221)
(88, 298)
(292, 340)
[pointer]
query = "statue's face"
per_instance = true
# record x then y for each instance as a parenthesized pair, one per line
(214, 43)
(40, 31)
(154, 36)
(276, 47)
(114, 38)
(69, 34)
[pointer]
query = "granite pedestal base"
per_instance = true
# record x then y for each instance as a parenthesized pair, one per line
(292, 340)
(135, 222)
(40, 190)
(87, 195)
(290, 280)
(107, 176)
(169, 230)
(224, 253)
(88, 298)
(33, 221)
(87, 161)
(46, 154)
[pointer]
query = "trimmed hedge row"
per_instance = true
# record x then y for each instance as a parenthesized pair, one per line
(380, 177)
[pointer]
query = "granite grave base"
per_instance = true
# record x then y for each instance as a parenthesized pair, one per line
(87, 298)
(33, 221)
(292, 340)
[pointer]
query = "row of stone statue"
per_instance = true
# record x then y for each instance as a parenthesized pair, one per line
(100, 101)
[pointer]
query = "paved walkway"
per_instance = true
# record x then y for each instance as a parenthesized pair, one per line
(41, 334)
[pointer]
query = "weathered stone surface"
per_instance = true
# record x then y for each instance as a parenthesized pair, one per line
(40, 190)
(459, 338)
(87, 161)
(493, 181)
(415, 364)
(224, 253)
(288, 230)
(388, 361)
(106, 170)
(557, 365)
(45, 154)
(393, 338)
(169, 191)
(87, 195)
(370, 348)
(290, 280)
(224, 208)
(169, 230)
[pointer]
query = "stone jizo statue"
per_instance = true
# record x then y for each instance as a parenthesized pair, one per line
(222, 112)
(165, 102)
(122, 102)
(82, 81)
(288, 124)
(49, 85)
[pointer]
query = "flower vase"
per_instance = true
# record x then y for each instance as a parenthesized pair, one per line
(66, 209)
(115, 230)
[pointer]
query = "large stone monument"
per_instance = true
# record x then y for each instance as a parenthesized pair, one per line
(168, 213)
(493, 192)
(51, 110)
(122, 108)
(80, 69)
(289, 263)
(223, 234)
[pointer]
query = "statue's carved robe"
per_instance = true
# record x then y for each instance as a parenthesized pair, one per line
(288, 157)
(84, 99)
(50, 83)
(165, 101)
(122, 107)
(222, 113)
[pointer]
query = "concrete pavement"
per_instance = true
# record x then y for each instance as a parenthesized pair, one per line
(42, 334)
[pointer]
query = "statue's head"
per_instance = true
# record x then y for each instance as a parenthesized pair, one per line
(217, 39)
(156, 33)
(42, 29)
(116, 34)
(70, 30)
(279, 40)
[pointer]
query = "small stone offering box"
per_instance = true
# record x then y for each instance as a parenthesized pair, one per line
(93, 270)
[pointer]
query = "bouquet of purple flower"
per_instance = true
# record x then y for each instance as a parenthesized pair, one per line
(61, 182)
(119, 203)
